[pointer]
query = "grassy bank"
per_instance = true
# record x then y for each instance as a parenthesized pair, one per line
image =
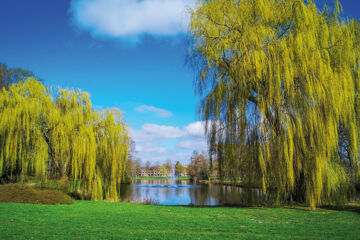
(22, 193)
(103, 220)
(231, 182)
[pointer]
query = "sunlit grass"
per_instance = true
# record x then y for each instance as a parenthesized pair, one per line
(104, 220)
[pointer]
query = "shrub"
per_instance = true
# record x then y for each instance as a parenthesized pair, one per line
(22, 193)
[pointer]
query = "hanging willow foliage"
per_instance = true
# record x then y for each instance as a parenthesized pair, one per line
(276, 79)
(62, 138)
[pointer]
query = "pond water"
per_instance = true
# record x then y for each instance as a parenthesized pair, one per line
(172, 192)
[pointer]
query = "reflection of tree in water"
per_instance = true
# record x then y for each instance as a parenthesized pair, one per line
(182, 182)
(166, 191)
(200, 195)
(179, 192)
(225, 195)
(232, 195)
(126, 192)
(138, 193)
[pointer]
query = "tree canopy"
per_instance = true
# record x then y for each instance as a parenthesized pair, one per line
(198, 167)
(179, 169)
(277, 79)
(12, 75)
(45, 134)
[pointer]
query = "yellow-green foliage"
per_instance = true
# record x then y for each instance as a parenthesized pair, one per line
(276, 79)
(63, 137)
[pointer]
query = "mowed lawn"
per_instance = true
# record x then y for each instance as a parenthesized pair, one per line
(104, 220)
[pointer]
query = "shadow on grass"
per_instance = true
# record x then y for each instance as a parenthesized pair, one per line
(351, 207)
(216, 206)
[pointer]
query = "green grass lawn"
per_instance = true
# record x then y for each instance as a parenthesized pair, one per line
(104, 220)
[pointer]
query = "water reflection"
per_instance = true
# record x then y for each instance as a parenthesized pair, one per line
(167, 192)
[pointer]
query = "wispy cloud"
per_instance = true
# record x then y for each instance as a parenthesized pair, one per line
(160, 112)
(150, 148)
(174, 156)
(131, 18)
(150, 132)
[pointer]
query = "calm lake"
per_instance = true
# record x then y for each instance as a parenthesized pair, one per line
(171, 192)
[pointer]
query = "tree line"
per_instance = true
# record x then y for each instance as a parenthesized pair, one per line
(167, 168)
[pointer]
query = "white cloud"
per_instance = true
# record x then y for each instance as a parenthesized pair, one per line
(159, 143)
(129, 18)
(173, 156)
(196, 129)
(199, 145)
(150, 132)
(150, 148)
(162, 131)
(160, 112)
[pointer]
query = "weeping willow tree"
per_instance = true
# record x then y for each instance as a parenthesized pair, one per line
(45, 136)
(23, 150)
(276, 80)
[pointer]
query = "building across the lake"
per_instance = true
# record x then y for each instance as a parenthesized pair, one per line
(151, 172)
(156, 172)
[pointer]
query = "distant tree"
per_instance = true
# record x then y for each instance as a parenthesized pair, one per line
(130, 166)
(137, 165)
(198, 168)
(164, 171)
(169, 166)
(179, 169)
(12, 75)
(148, 165)
(157, 164)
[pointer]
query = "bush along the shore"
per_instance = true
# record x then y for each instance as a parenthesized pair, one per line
(23, 193)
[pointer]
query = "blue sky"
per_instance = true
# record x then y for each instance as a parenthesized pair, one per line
(128, 54)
